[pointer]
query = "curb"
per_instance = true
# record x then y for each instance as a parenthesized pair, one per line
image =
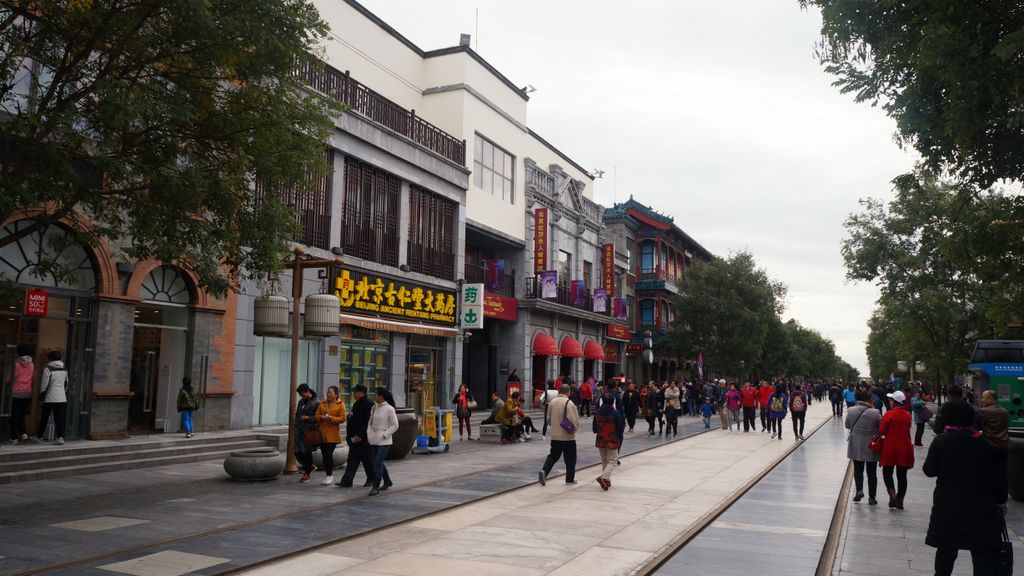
(668, 550)
(835, 529)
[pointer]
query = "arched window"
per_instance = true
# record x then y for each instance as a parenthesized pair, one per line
(20, 261)
(646, 257)
(166, 284)
(647, 312)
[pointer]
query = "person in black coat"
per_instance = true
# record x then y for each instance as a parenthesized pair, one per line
(355, 437)
(631, 405)
(970, 494)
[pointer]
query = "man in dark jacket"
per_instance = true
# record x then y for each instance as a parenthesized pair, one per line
(355, 437)
(609, 426)
(631, 404)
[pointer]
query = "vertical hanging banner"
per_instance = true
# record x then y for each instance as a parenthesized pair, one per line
(472, 307)
(540, 240)
(549, 284)
(600, 300)
(578, 293)
(496, 275)
(620, 308)
(608, 268)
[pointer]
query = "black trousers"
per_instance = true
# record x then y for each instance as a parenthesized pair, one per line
(919, 435)
(585, 407)
(798, 418)
(775, 426)
(749, 418)
(858, 476)
(60, 413)
(19, 411)
(984, 561)
(305, 461)
(562, 449)
(327, 451)
(630, 420)
(672, 420)
(837, 408)
(650, 423)
(358, 453)
(764, 418)
(901, 480)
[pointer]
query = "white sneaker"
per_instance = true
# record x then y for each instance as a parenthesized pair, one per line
(328, 481)
(60, 441)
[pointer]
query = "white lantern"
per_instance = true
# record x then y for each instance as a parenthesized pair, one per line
(270, 316)
(323, 313)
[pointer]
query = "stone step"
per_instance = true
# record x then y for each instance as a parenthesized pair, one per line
(24, 453)
(143, 452)
(97, 467)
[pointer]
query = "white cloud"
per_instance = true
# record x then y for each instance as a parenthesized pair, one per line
(714, 112)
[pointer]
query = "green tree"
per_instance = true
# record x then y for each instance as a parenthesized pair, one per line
(154, 119)
(725, 308)
(950, 73)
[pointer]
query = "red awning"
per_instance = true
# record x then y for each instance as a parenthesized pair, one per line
(571, 348)
(544, 345)
(593, 351)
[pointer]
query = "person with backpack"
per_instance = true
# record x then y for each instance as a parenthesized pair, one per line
(777, 403)
(188, 402)
(53, 390)
(835, 397)
(798, 408)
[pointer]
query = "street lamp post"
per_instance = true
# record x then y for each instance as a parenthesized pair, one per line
(298, 263)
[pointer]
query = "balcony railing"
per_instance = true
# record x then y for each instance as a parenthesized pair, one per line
(564, 297)
(478, 275)
(343, 88)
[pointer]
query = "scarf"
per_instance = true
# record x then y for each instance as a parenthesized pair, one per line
(968, 430)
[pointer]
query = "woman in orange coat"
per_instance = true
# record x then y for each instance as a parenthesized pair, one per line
(897, 449)
(330, 414)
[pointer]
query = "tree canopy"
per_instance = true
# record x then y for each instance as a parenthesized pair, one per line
(153, 119)
(950, 73)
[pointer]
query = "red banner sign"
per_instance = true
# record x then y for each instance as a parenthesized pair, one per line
(540, 240)
(500, 307)
(37, 301)
(608, 269)
(632, 349)
(611, 353)
(618, 332)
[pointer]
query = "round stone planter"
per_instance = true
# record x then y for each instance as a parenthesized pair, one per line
(1015, 465)
(255, 464)
(402, 441)
(340, 455)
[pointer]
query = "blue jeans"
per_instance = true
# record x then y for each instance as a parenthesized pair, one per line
(380, 471)
(186, 421)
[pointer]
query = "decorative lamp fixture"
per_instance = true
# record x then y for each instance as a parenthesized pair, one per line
(322, 314)
(270, 316)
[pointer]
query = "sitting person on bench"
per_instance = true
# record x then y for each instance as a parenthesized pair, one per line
(496, 404)
(506, 416)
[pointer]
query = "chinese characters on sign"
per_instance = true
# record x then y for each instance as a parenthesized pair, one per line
(37, 301)
(369, 293)
(618, 332)
(540, 240)
(472, 309)
(608, 268)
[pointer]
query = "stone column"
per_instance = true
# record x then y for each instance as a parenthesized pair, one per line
(111, 383)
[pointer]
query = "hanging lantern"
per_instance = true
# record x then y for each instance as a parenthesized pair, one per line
(270, 316)
(322, 315)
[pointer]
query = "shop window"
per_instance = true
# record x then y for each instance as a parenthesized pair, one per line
(424, 373)
(431, 234)
(493, 169)
(647, 312)
(646, 257)
(363, 360)
(272, 377)
(588, 269)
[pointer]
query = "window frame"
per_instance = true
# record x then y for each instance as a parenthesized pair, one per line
(485, 177)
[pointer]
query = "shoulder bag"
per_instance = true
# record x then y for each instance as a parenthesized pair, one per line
(565, 423)
(313, 437)
(1004, 559)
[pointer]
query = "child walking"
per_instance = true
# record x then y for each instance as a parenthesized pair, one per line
(706, 410)
(188, 403)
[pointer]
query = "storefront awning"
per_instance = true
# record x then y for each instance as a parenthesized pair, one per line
(593, 351)
(395, 326)
(571, 348)
(544, 345)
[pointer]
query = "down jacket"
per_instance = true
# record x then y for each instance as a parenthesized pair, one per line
(897, 449)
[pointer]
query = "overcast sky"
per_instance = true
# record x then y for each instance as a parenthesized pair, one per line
(715, 113)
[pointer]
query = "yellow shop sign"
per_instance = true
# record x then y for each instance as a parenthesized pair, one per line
(373, 294)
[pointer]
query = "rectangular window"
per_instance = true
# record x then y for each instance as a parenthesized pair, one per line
(647, 257)
(564, 267)
(431, 234)
(647, 312)
(493, 170)
(588, 269)
(370, 213)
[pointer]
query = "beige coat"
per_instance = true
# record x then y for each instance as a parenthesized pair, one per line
(558, 408)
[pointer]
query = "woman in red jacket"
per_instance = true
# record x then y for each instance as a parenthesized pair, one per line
(897, 449)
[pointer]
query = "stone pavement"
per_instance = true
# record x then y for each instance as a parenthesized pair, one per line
(780, 526)
(657, 497)
(879, 541)
(74, 525)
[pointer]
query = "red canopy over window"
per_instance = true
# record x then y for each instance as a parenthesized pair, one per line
(593, 351)
(544, 345)
(571, 348)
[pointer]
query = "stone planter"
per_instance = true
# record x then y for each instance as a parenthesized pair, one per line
(255, 464)
(340, 455)
(1015, 465)
(403, 440)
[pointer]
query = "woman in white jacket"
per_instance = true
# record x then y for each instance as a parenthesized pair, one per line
(383, 425)
(53, 388)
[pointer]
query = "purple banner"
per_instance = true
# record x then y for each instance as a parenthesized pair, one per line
(496, 275)
(578, 293)
(620, 308)
(549, 284)
(600, 300)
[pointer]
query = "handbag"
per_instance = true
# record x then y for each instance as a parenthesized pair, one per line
(565, 423)
(1004, 560)
(876, 443)
(313, 438)
(924, 414)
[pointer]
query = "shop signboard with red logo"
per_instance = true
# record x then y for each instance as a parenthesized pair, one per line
(633, 349)
(618, 332)
(37, 302)
(500, 307)
(540, 240)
